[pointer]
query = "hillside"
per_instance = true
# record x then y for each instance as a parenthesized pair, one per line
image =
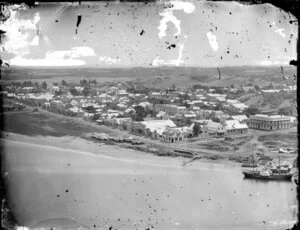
(284, 101)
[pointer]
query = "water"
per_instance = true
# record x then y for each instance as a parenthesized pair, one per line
(127, 190)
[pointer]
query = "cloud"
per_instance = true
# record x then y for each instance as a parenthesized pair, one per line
(57, 58)
(269, 63)
(18, 33)
(20, 61)
(75, 52)
(167, 16)
(108, 60)
(212, 39)
(177, 62)
(265, 63)
(35, 41)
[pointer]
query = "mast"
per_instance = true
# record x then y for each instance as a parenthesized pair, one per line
(252, 160)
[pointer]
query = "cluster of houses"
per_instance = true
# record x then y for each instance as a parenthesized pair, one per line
(171, 115)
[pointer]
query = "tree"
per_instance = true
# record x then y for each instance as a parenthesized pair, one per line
(74, 92)
(140, 113)
(86, 91)
(90, 109)
(64, 83)
(287, 111)
(83, 82)
(251, 111)
(96, 117)
(196, 129)
(44, 85)
(58, 93)
(270, 86)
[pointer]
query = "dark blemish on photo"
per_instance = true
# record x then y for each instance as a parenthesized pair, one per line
(78, 22)
(171, 46)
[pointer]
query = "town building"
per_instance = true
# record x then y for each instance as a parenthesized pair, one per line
(172, 135)
(235, 127)
(241, 118)
(270, 122)
(170, 109)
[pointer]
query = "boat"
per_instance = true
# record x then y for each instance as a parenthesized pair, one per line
(269, 173)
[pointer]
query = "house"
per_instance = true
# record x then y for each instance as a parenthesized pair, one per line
(240, 118)
(73, 102)
(10, 95)
(163, 115)
(172, 135)
(122, 93)
(217, 114)
(215, 128)
(248, 88)
(169, 108)
(235, 127)
(55, 88)
(79, 88)
(75, 112)
(216, 97)
(120, 123)
(151, 128)
(270, 91)
(237, 107)
(28, 89)
(190, 115)
(155, 95)
(88, 116)
(145, 104)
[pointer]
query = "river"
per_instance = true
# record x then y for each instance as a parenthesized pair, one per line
(49, 186)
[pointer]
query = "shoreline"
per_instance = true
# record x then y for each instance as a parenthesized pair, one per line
(87, 145)
(81, 145)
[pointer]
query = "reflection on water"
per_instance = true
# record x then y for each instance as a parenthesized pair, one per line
(136, 192)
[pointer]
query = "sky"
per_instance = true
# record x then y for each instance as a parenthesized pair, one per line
(165, 33)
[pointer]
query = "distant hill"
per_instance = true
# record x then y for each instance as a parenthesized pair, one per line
(157, 77)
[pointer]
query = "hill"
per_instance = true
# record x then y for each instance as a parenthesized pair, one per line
(157, 77)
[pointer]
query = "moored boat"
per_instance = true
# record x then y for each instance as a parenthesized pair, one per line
(268, 175)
